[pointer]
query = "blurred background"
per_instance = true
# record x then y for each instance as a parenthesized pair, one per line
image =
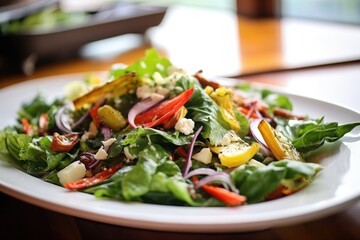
(308, 47)
(222, 37)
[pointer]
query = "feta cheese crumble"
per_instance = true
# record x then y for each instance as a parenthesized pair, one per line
(203, 156)
(185, 126)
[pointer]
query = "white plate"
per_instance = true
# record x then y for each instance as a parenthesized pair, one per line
(334, 188)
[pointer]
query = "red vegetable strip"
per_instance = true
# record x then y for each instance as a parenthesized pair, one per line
(27, 128)
(139, 108)
(87, 182)
(247, 112)
(226, 196)
(164, 111)
(93, 112)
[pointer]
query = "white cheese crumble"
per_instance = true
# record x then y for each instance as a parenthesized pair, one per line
(203, 156)
(156, 97)
(108, 142)
(72, 172)
(101, 154)
(158, 78)
(144, 91)
(228, 138)
(185, 126)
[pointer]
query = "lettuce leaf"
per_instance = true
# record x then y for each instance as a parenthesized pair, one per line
(147, 66)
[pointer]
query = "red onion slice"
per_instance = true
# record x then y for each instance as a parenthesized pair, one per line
(218, 177)
(200, 171)
(188, 161)
(62, 120)
(141, 107)
(254, 128)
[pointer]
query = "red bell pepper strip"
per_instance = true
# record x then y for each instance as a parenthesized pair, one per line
(94, 115)
(26, 126)
(164, 111)
(90, 181)
(250, 113)
(222, 194)
(181, 152)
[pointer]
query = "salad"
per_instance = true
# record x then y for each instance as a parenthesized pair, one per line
(153, 133)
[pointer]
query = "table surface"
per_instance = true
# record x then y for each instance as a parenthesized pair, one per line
(261, 47)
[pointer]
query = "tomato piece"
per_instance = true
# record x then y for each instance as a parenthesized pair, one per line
(164, 111)
(26, 126)
(87, 182)
(64, 143)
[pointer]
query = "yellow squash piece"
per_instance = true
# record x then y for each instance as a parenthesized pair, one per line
(223, 97)
(115, 88)
(236, 154)
(278, 144)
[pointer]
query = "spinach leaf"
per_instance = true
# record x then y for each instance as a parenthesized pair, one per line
(311, 134)
(257, 183)
(272, 98)
(156, 136)
(204, 111)
(276, 100)
(136, 182)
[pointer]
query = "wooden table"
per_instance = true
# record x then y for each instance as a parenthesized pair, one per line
(259, 46)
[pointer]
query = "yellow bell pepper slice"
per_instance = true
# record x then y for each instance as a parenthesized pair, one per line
(236, 154)
(223, 97)
(278, 144)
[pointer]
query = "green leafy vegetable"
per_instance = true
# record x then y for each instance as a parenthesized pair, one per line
(151, 63)
(309, 135)
(257, 183)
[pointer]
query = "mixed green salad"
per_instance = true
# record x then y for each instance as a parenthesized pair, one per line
(153, 133)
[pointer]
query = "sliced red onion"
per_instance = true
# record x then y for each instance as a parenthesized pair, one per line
(80, 120)
(200, 171)
(254, 129)
(141, 107)
(106, 131)
(221, 177)
(62, 119)
(188, 161)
